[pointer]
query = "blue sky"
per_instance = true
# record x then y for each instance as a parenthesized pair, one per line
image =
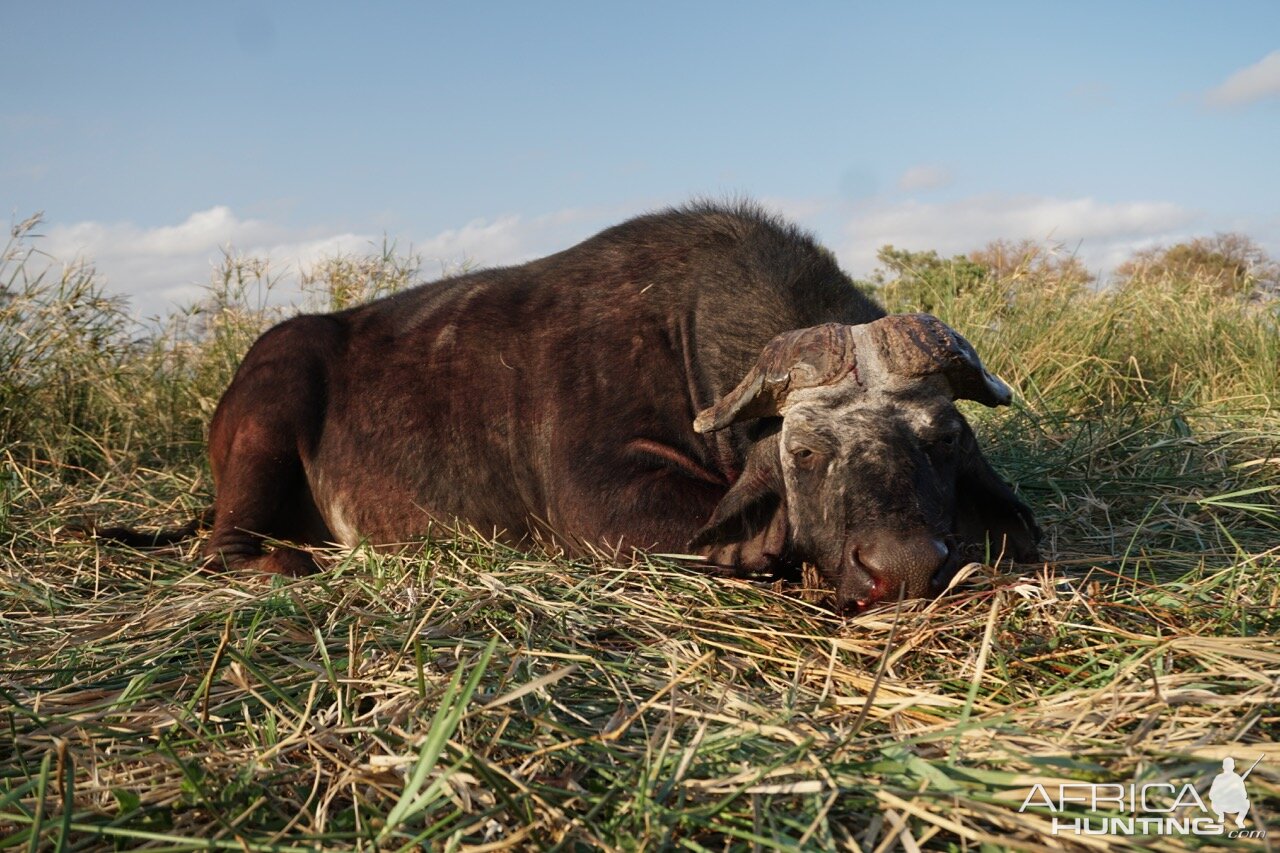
(151, 134)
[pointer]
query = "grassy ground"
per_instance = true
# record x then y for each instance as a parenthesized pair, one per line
(472, 696)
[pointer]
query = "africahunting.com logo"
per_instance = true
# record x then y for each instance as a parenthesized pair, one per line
(1152, 808)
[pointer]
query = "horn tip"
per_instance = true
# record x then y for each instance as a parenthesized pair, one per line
(1001, 393)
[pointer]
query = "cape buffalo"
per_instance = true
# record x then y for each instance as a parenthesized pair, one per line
(703, 380)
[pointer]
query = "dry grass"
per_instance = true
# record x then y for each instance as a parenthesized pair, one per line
(473, 697)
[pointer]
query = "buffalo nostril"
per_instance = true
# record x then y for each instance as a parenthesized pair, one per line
(901, 564)
(856, 585)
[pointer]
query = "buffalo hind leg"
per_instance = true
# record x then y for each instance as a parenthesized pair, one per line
(263, 425)
(264, 497)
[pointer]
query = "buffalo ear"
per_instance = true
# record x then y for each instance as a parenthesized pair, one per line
(988, 513)
(748, 529)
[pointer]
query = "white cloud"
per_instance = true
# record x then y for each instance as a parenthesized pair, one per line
(162, 266)
(1105, 233)
(1254, 83)
(510, 238)
(924, 177)
(169, 264)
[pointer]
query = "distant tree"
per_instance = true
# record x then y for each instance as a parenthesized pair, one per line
(1230, 264)
(1026, 263)
(924, 281)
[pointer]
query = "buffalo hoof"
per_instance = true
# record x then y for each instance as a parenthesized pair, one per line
(289, 562)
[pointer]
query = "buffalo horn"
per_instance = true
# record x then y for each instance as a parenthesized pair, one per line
(804, 358)
(914, 346)
(909, 346)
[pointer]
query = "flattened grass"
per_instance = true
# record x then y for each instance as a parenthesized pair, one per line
(472, 696)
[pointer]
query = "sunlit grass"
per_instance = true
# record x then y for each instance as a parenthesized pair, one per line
(472, 695)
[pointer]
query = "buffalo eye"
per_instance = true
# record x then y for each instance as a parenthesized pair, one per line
(804, 457)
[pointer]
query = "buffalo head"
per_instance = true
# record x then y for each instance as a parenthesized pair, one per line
(862, 464)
